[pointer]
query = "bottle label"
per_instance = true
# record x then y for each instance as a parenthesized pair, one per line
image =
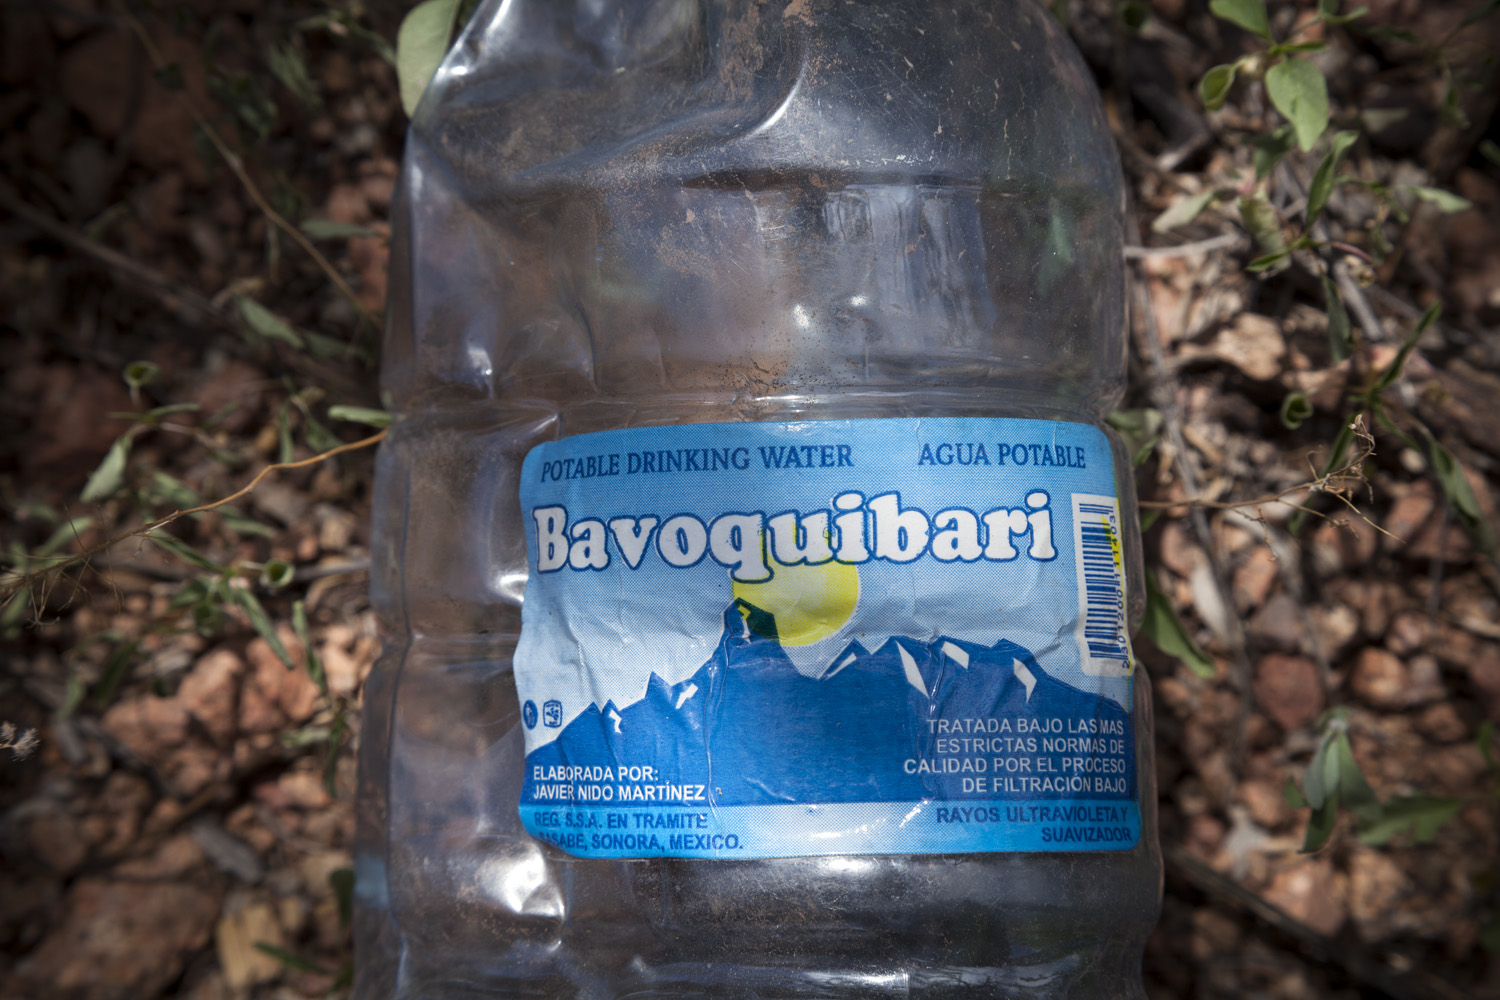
(900, 636)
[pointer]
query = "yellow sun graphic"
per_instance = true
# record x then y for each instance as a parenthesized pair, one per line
(809, 603)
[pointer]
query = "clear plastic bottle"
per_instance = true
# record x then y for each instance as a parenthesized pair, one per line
(693, 226)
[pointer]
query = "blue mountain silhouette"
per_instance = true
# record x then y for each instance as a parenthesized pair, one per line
(754, 730)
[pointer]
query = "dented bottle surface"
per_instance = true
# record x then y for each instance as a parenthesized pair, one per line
(760, 352)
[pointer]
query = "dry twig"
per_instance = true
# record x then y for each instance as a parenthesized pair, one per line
(16, 584)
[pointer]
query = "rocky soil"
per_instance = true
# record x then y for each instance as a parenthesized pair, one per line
(182, 828)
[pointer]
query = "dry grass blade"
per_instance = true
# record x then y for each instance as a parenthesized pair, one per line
(21, 583)
(237, 166)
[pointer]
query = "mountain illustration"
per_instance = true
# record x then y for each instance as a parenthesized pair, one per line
(754, 730)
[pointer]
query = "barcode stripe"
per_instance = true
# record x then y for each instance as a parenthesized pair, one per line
(1101, 629)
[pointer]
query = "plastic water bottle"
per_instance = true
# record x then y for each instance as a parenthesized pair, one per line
(752, 556)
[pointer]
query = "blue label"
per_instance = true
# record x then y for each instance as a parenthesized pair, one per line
(835, 637)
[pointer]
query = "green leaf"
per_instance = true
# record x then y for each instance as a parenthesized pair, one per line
(1340, 332)
(1446, 201)
(1480, 12)
(1485, 741)
(261, 622)
(173, 491)
(1293, 795)
(360, 415)
(1269, 261)
(288, 66)
(1184, 210)
(1450, 112)
(243, 524)
(1393, 370)
(107, 479)
(1134, 15)
(1490, 150)
(116, 668)
(1354, 791)
(1140, 429)
(266, 323)
(1322, 182)
(1248, 14)
(1162, 626)
(276, 574)
(314, 663)
(331, 762)
(1489, 934)
(140, 373)
(180, 549)
(1297, 89)
(1294, 410)
(286, 450)
(1328, 12)
(1215, 85)
(1269, 148)
(1262, 222)
(1321, 782)
(421, 43)
(1287, 47)
(64, 535)
(1320, 826)
(327, 229)
(342, 880)
(1422, 815)
(319, 438)
(291, 961)
(73, 696)
(1460, 494)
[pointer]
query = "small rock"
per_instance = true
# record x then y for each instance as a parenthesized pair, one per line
(1312, 893)
(1484, 674)
(1426, 680)
(229, 853)
(232, 393)
(1266, 802)
(273, 693)
(57, 841)
(194, 767)
(371, 256)
(173, 858)
(1343, 545)
(1380, 679)
(1253, 580)
(1289, 690)
(1442, 723)
(1204, 835)
(346, 204)
(1408, 633)
(1278, 624)
(147, 726)
(285, 503)
(1376, 885)
(122, 939)
(1335, 628)
(1214, 935)
(208, 692)
(1420, 529)
(303, 789)
(1456, 770)
(1254, 345)
(247, 922)
(1178, 552)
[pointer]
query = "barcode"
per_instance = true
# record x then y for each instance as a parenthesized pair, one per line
(1103, 635)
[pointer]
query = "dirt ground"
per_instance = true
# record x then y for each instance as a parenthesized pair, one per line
(182, 826)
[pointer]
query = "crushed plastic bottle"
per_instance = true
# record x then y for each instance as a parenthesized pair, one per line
(763, 348)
